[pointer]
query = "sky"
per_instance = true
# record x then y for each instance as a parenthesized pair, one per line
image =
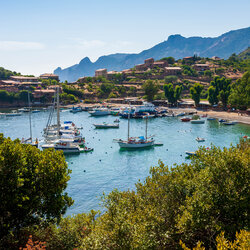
(37, 36)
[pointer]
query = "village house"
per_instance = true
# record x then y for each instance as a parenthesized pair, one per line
(216, 58)
(188, 58)
(140, 67)
(101, 72)
(149, 62)
(173, 70)
(44, 93)
(160, 64)
(8, 85)
(50, 76)
(24, 78)
(201, 67)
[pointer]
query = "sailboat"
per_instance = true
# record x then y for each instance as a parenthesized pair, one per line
(136, 142)
(30, 140)
(67, 145)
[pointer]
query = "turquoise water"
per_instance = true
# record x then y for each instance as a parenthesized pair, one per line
(107, 167)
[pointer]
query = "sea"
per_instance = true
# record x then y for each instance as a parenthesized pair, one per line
(108, 167)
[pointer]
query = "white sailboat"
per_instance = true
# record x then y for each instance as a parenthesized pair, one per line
(67, 145)
(30, 140)
(136, 142)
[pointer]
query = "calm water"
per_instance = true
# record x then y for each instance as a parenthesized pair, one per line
(107, 167)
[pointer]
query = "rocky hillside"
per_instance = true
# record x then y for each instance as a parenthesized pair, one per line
(176, 46)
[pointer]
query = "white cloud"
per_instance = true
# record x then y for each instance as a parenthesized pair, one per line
(19, 46)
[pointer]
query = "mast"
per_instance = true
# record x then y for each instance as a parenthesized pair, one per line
(128, 120)
(58, 111)
(30, 116)
(146, 131)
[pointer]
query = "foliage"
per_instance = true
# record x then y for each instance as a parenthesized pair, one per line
(240, 92)
(170, 79)
(151, 89)
(72, 91)
(173, 95)
(169, 59)
(195, 92)
(32, 184)
(11, 97)
(68, 98)
(112, 95)
(208, 73)
(219, 90)
(242, 241)
(189, 71)
(5, 73)
(191, 203)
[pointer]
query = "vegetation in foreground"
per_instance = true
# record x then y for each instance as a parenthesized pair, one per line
(204, 203)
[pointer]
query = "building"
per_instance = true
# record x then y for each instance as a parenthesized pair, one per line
(49, 76)
(24, 78)
(148, 62)
(201, 67)
(101, 72)
(216, 58)
(47, 93)
(160, 64)
(173, 70)
(140, 67)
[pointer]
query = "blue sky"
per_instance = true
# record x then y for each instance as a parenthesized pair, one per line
(37, 36)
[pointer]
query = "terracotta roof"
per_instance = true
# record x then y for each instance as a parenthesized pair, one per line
(44, 91)
(99, 70)
(24, 77)
(48, 74)
(174, 68)
(202, 65)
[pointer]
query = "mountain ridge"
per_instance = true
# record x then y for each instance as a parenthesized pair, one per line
(176, 46)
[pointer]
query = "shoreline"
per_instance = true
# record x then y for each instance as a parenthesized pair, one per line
(232, 116)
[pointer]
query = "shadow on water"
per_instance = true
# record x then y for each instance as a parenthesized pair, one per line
(136, 149)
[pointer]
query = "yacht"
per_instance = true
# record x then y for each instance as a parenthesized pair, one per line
(99, 112)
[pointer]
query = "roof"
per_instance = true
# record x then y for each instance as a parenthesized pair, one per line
(202, 65)
(161, 63)
(7, 81)
(24, 77)
(149, 59)
(99, 70)
(48, 75)
(188, 57)
(44, 91)
(174, 68)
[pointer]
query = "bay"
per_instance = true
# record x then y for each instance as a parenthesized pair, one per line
(108, 167)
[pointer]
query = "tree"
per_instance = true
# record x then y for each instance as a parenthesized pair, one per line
(170, 79)
(169, 59)
(212, 98)
(32, 184)
(173, 95)
(151, 89)
(195, 92)
(220, 91)
(240, 92)
(208, 73)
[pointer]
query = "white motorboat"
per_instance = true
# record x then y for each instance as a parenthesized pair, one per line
(106, 125)
(99, 112)
(13, 113)
(66, 145)
(200, 139)
(189, 153)
(197, 121)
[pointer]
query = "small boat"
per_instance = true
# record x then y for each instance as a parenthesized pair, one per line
(203, 116)
(190, 153)
(159, 144)
(116, 120)
(13, 113)
(211, 119)
(229, 123)
(26, 110)
(222, 120)
(181, 114)
(197, 121)
(76, 110)
(199, 139)
(106, 125)
(36, 111)
(86, 150)
(99, 112)
(185, 119)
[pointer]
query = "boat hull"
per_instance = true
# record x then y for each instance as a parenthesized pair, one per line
(136, 145)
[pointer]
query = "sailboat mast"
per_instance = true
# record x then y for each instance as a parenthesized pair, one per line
(128, 120)
(30, 116)
(146, 132)
(58, 111)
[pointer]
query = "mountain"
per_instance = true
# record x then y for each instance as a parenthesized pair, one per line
(176, 46)
(245, 55)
